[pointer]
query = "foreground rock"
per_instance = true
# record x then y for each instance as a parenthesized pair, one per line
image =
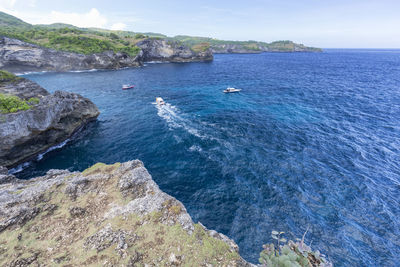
(108, 215)
(19, 56)
(54, 119)
(164, 50)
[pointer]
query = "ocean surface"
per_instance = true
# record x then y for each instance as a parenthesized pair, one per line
(313, 140)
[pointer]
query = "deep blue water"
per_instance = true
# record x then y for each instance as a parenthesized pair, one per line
(312, 140)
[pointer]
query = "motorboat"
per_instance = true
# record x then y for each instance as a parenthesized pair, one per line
(127, 86)
(160, 101)
(232, 90)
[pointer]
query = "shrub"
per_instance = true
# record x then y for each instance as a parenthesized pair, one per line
(11, 104)
(33, 101)
(294, 254)
(6, 76)
(114, 36)
(140, 36)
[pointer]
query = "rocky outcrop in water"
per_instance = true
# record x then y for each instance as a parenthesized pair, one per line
(19, 56)
(54, 119)
(163, 50)
(107, 215)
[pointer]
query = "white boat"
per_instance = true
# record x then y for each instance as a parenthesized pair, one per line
(127, 86)
(160, 101)
(232, 90)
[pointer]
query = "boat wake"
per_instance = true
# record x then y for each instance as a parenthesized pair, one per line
(176, 120)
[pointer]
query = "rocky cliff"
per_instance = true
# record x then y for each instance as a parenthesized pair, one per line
(107, 215)
(52, 120)
(19, 56)
(163, 50)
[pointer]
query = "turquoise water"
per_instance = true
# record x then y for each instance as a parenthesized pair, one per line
(313, 140)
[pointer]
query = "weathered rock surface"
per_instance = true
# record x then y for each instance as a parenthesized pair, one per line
(24, 134)
(108, 215)
(164, 50)
(19, 56)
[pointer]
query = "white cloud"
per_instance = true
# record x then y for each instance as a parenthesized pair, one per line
(93, 18)
(10, 4)
(118, 26)
(4, 4)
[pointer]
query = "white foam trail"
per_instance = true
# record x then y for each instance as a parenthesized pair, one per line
(175, 120)
(195, 148)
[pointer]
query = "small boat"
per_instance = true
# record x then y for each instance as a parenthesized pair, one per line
(160, 101)
(232, 90)
(127, 86)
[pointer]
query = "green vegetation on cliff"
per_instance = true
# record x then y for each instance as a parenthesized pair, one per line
(67, 37)
(289, 253)
(11, 103)
(251, 46)
(6, 77)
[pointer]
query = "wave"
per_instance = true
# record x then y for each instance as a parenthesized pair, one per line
(20, 167)
(39, 157)
(79, 71)
(31, 72)
(45, 71)
(156, 62)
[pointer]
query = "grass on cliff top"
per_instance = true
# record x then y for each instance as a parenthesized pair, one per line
(55, 237)
(72, 39)
(11, 103)
(200, 47)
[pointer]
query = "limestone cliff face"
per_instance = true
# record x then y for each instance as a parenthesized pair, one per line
(19, 56)
(24, 134)
(107, 215)
(164, 50)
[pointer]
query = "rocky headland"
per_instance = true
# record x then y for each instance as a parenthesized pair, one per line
(107, 215)
(154, 49)
(19, 56)
(48, 120)
(258, 47)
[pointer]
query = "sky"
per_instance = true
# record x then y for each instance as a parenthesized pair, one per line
(320, 23)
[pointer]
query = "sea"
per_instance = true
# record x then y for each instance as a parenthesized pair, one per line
(311, 142)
